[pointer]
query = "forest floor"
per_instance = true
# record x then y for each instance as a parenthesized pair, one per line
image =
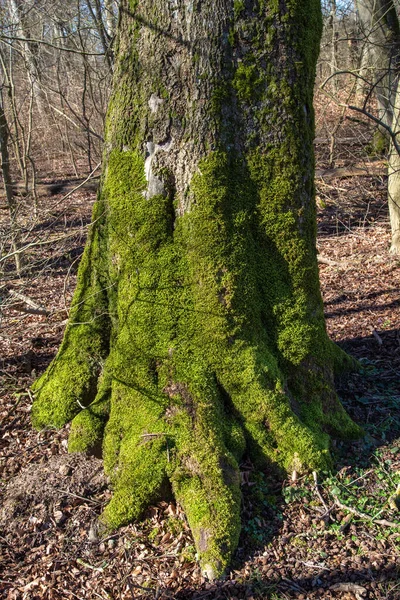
(337, 536)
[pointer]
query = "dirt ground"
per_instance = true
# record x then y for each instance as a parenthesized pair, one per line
(335, 536)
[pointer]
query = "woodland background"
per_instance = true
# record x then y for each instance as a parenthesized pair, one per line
(332, 536)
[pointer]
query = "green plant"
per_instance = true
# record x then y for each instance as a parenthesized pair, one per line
(294, 493)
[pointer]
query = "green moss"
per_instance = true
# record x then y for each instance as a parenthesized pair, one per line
(238, 8)
(194, 340)
(205, 475)
(71, 379)
(142, 473)
(247, 82)
(86, 432)
(380, 143)
(87, 428)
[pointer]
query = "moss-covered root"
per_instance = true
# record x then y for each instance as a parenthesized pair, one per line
(71, 380)
(205, 480)
(139, 478)
(87, 428)
(180, 435)
(288, 425)
(69, 384)
(205, 474)
(207, 484)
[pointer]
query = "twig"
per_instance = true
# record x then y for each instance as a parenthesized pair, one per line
(327, 261)
(31, 307)
(42, 243)
(314, 566)
(377, 337)
(152, 435)
(314, 474)
(354, 588)
(367, 472)
(45, 43)
(12, 409)
(88, 566)
(362, 515)
(90, 176)
(67, 493)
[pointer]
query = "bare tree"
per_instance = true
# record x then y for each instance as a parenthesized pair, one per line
(5, 170)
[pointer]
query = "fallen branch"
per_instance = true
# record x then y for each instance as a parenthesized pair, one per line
(358, 590)
(377, 168)
(314, 474)
(362, 515)
(377, 337)
(327, 261)
(25, 304)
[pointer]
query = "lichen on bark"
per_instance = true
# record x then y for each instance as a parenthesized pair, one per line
(197, 332)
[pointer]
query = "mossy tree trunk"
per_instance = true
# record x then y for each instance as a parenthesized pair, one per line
(197, 330)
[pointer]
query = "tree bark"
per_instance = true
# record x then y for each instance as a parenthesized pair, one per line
(381, 27)
(102, 27)
(7, 181)
(334, 42)
(111, 13)
(381, 53)
(197, 332)
(394, 180)
(29, 54)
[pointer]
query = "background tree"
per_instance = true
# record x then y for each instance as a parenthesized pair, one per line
(61, 54)
(55, 73)
(380, 73)
(367, 85)
(197, 330)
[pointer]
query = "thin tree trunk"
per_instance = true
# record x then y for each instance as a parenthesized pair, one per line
(111, 11)
(382, 29)
(96, 13)
(16, 11)
(12, 207)
(394, 181)
(334, 43)
(381, 53)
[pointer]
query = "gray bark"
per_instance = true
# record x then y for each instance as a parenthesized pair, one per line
(381, 51)
(111, 12)
(17, 17)
(11, 204)
(394, 180)
(381, 65)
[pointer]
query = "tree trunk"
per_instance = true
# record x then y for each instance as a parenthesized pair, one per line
(380, 28)
(7, 181)
(29, 54)
(334, 43)
(197, 330)
(380, 23)
(97, 13)
(111, 12)
(394, 180)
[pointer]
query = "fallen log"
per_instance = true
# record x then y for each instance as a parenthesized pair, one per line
(363, 170)
(53, 188)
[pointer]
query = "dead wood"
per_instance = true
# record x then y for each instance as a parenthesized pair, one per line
(378, 167)
(48, 189)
